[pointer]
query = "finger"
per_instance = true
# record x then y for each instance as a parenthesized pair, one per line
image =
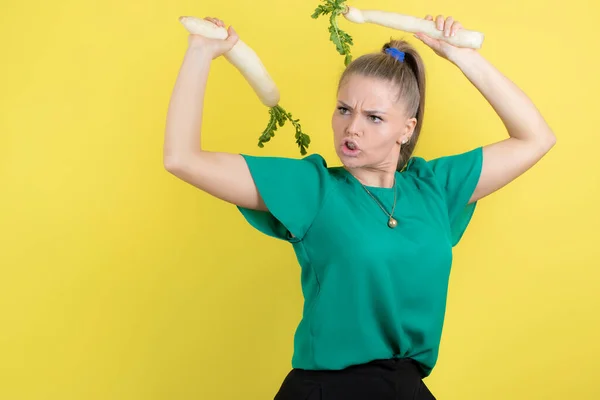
(233, 36)
(456, 26)
(439, 22)
(427, 40)
(448, 26)
(429, 17)
(220, 23)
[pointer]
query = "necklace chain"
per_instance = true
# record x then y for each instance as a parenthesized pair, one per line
(392, 223)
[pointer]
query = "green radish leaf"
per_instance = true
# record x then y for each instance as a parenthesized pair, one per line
(347, 60)
(320, 10)
(335, 38)
(278, 117)
(341, 40)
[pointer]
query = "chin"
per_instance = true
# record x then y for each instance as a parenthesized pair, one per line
(350, 162)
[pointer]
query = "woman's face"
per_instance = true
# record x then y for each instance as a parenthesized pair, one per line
(369, 124)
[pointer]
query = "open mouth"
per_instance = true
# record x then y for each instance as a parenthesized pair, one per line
(350, 147)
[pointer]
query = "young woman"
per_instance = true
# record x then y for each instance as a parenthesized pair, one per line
(373, 236)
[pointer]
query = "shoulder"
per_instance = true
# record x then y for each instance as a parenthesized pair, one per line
(315, 160)
(278, 166)
(418, 167)
(287, 176)
(455, 164)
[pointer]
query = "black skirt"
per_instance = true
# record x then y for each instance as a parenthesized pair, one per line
(393, 379)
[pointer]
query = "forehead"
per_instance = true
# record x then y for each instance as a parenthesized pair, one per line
(368, 91)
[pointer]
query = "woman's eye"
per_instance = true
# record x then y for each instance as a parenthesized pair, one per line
(373, 118)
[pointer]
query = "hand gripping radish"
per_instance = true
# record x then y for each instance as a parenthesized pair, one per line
(407, 23)
(253, 70)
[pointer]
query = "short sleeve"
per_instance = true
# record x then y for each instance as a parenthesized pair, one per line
(293, 191)
(458, 176)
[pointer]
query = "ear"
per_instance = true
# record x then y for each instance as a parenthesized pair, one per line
(409, 128)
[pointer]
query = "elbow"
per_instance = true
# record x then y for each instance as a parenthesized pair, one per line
(552, 140)
(543, 142)
(549, 141)
(180, 164)
(173, 163)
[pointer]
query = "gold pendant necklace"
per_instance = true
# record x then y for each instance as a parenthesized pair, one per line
(392, 222)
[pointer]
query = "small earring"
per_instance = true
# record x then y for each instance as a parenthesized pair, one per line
(404, 141)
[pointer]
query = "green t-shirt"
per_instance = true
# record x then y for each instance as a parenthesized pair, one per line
(370, 292)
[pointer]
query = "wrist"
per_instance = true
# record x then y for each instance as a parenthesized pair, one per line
(200, 51)
(464, 57)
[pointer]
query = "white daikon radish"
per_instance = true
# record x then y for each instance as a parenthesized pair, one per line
(343, 41)
(241, 56)
(251, 67)
(407, 23)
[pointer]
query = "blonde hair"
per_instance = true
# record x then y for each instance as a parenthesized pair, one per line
(408, 75)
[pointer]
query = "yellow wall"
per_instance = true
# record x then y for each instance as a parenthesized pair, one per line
(118, 281)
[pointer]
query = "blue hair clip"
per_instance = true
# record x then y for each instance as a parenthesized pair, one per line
(394, 52)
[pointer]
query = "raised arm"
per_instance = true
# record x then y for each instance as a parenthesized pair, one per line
(223, 175)
(530, 137)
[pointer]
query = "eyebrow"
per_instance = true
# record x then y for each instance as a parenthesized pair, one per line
(366, 111)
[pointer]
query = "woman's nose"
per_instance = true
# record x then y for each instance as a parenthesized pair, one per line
(354, 128)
